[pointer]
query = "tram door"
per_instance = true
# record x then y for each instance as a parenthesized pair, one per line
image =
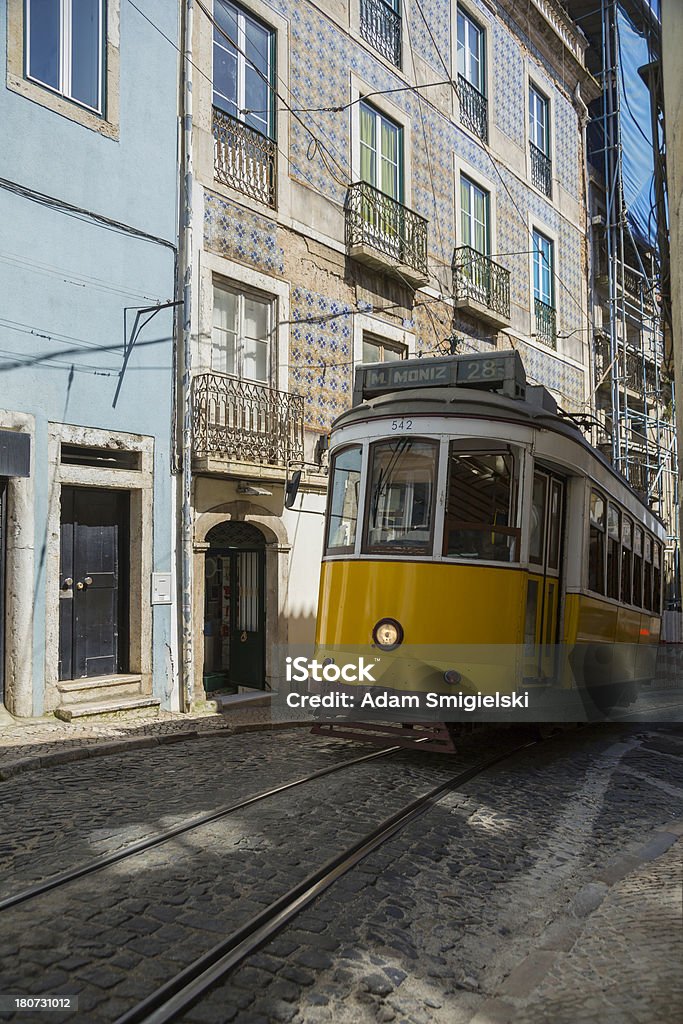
(544, 587)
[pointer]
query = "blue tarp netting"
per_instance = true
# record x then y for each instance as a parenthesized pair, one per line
(636, 129)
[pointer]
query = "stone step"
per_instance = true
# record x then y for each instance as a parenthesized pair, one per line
(75, 691)
(137, 707)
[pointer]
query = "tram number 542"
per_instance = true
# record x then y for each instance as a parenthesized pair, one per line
(401, 424)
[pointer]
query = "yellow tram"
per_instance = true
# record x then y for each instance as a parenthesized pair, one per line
(476, 542)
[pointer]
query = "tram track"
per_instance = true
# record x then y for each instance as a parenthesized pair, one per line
(171, 999)
(163, 836)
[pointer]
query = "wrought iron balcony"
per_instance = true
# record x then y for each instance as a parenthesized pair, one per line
(380, 24)
(245, 422)
(541, 170)
(546, 323)
(385, 234)
(473, 109)
(481, 287)
(244, 159)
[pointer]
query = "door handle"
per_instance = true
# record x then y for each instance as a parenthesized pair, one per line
(67, 583)
(87, 580)
(80, 585)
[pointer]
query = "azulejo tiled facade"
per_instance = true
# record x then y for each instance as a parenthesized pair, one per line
(242, 235)
(327, 61)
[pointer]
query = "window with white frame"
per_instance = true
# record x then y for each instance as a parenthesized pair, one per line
(539, 120)
(544, 290)
(241, 336)
(377, 350)
(474, 216)
(243, 67)
(65, 48)
(471, 62)
(381, 152)
(471, 52)
(543, 269)
(539, 139)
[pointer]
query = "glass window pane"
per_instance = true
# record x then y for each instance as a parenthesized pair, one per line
(255, 360)
(44, 30)
(256, 315)
(225, 16)
(368, 145)
(480, 522)
(461, 43)
(537, 536)
(224, 335)
(256, 102)
(342, 521)
(372, 352)
(401, 496)
(224, 309)
(86, 38)
(257, 45)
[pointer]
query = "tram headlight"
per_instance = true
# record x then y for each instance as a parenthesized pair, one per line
(388, 634)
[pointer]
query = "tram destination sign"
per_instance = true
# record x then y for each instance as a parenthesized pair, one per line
(496, 371)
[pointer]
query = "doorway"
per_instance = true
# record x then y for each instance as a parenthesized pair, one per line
(94, 564)
(234, 608)
(544, 585)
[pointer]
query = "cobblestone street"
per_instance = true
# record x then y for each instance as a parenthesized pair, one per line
(546, 888)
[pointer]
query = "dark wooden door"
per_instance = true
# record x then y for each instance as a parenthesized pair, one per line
(93, 605)
(247, 662)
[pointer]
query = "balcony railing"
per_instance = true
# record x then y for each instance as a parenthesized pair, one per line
(244, 159)
(380, 24)
(478, 278)
(245, 422)
(376, 220)
(473, 109)
(631, 370)
(546, 329)
(541, 170)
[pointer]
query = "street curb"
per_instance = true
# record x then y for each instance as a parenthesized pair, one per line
(122, 746)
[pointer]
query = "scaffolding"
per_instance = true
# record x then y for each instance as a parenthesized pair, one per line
(633, 390)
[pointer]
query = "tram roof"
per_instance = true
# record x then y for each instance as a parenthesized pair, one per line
(469, 402)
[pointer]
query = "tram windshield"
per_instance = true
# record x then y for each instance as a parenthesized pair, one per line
(400, 516)
(481, 521)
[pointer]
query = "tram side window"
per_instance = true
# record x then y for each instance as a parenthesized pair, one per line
(613, 550)
(480, 519)
(626, 562)
(638, 567)
(400, 510)
(596, 544)
(647, 574)
(343, 507)
(657, 579)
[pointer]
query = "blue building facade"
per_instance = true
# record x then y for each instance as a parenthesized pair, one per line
(88, 260)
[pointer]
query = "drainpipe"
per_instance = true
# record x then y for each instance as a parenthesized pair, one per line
(186, 528)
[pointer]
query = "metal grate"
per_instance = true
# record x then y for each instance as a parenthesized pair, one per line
(541, 170)
(477, 277)
(546, 328)
(235, 534)
(244, 159)
(246, 422)
(473, 109)
(375, 219)
(380, 24)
